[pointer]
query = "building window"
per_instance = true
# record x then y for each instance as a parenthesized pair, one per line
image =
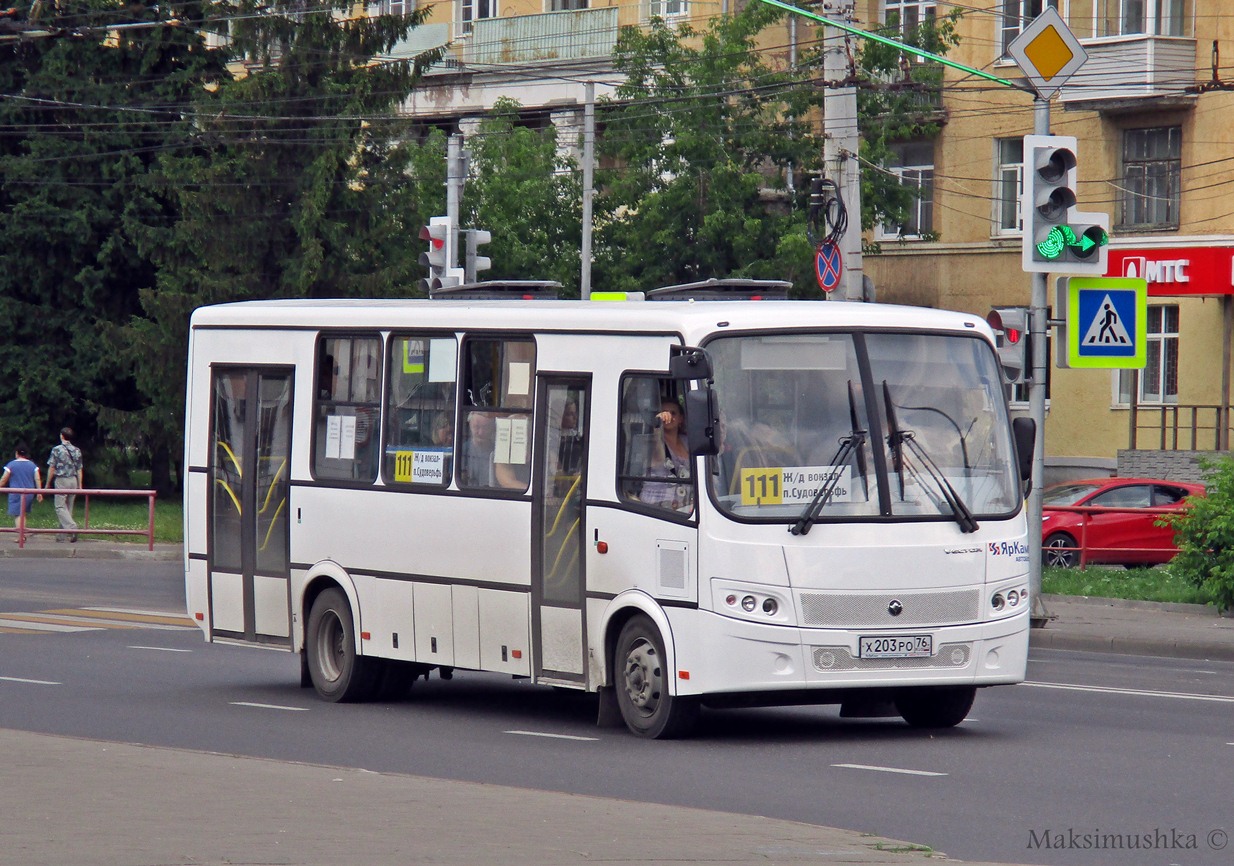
(566, 5)
(1159, 378)
(392, 7)
(1150, 17)
(667, 9)
(914, 165)
(471, 11)
(1152, 176)
(1016, 15)
(1008, 177)
(909, 14)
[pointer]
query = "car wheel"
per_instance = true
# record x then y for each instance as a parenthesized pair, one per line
(1056, 553)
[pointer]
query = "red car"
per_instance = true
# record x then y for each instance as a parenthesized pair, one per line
(1130, 538)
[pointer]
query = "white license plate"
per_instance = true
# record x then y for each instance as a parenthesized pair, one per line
(907, 646)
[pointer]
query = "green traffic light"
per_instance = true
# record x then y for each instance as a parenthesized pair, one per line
(1083, 245)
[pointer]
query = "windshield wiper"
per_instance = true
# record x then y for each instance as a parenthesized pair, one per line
(855, 440)
(898, 440)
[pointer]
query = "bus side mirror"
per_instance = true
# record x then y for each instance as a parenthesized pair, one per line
(1024, 431)
(702, 422)
(688, 363)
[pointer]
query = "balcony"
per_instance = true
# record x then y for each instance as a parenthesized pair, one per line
(551, 37)
(1123, 72)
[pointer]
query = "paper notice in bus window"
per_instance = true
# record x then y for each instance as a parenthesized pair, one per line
(510, 444)
(441, 361)
(347, 437)
(428, 467)
(334, 428)
(519, 382)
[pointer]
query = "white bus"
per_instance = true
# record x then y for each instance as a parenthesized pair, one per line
(392, 488)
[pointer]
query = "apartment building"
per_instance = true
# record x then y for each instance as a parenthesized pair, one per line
(1152, 118)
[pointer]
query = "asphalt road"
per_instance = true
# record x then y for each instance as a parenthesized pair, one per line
(1108, 749)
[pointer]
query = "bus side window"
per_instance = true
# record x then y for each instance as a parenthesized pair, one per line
(420, 404)
(495, 438)
(348, 408)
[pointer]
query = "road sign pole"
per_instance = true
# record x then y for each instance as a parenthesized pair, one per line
(1036, 403)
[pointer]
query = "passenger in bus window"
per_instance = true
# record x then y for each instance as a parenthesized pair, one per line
(476, 464)
(673, 463)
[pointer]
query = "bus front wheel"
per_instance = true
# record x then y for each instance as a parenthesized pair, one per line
(937, 707)
(338, 672)
(642, 684)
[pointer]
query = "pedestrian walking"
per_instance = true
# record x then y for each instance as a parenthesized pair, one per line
(21, 472)
(64, 471)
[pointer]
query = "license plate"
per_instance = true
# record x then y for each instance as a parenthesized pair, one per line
(908, 646)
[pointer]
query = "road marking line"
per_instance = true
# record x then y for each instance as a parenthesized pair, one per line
(30, 682)
(269, 706)
(30, 622)
(554, 736)
(152, 617)
(1142, 693)
(162, 649)
(878, 769)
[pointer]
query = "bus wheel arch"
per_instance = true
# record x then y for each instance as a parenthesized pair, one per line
(643, 680)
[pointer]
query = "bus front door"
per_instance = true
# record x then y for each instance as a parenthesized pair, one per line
(250, 448)
(559, 490)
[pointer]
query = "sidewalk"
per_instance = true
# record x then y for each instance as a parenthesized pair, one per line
(67, 800)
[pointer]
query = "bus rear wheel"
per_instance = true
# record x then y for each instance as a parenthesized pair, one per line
(937, 707)
(642, 684)
(338, 672)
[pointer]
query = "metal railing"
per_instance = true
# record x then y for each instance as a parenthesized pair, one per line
(1194, 427)
(1088, 512)
(25, 532)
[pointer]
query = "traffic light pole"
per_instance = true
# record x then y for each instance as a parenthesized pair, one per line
(1038, 325)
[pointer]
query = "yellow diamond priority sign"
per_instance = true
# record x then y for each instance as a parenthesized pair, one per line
(1048, 52)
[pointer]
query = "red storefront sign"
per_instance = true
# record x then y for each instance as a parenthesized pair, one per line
(1175, 271)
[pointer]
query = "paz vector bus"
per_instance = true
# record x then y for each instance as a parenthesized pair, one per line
(393, 488)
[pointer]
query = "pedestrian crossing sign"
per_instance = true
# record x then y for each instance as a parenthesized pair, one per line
(1105, 324)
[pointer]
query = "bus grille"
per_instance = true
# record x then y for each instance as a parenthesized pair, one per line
(873, 610)
(837, 658)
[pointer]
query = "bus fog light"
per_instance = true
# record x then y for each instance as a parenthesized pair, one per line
(749, 603)
(998, 602)
(770, 607)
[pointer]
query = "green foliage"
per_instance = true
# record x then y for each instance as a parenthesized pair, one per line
(1204, 533)
(1160, 584)
(524, 191)
(701, 140)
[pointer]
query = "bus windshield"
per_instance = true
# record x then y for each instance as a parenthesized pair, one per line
(841, 426)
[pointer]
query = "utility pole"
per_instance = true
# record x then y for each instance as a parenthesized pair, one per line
(1038, 325)
(456, 173)
(841, 142)
(589, 157)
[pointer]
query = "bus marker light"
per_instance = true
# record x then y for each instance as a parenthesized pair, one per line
(729, 599)
(518, 654)
(601, 547)
(199, 616)
(683, 675)
(365, 635)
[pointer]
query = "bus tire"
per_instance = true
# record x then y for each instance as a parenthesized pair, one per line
(642, 684)
(338, 672)
(935, 707)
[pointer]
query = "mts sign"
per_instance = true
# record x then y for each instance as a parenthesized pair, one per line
(1175, 271)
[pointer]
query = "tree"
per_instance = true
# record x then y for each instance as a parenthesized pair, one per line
(80, 127)
(1204, 534)
(291, 183)
(702, 139)
(529, 195)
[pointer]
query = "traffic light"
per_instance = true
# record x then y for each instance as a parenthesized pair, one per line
(1011, 337)
(1057, 237)
(473, 263)
(437, 259)
(440, 236)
